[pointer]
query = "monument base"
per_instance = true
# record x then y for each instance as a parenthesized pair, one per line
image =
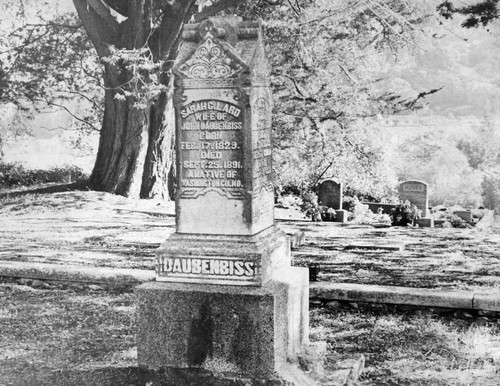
(340, 216)
(227, 331)
(425, 222)
(233, 260)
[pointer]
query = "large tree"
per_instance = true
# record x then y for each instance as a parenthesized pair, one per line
(137, 41)
(323, 79)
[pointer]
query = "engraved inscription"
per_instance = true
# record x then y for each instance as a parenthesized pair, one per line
(413, 187)
(201, 268)
(211, 148)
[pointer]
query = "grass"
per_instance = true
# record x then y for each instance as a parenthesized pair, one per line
(86, 336)
(412, 346)
(63, 336)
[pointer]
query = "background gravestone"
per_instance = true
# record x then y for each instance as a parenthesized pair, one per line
(415, 192)
(330, 194)
(226, 299)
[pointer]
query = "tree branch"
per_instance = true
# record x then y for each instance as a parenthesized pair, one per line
(214, 9)
(50, 103)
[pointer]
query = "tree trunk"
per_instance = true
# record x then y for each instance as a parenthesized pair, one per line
(134, 157)
(135, 154)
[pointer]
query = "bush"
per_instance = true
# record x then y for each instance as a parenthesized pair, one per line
(310, 206)
(405, 214)
(16, 175)
(361, 214)
(288, 201)
(457, 222)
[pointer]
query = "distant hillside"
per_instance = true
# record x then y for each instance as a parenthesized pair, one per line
(466, 63)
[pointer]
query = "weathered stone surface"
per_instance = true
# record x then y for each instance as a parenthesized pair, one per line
(355, 364)
(312, 358)
(487, 220)
(341, 216)
(487, 301)
(244, 330)
(330, 194)
(227, 299)
(223, 115)
(191, 325)
(248, 260)
(46, 271)
(425, 222)
(391, 295)
(465, 215)
(415, 192)
(338, 378)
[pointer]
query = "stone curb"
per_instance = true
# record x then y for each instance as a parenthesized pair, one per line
(96, 275)
(405, 296)
(317, 290)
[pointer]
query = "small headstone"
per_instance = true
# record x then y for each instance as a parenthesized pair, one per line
(330, 194)
(465, 215)
(415, 192)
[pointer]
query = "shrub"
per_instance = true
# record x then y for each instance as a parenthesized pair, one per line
(310, 206)
(458, 222)
(16, 175)
(405, 214)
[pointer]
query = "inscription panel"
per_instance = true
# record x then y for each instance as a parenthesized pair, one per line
(211, 149)
(414, 187)
(196, 269)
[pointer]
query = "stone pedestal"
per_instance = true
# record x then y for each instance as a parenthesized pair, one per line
(249, 331)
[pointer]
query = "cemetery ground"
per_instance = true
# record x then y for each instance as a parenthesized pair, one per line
(71, 333)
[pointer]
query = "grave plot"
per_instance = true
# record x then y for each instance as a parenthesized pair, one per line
(465, 259)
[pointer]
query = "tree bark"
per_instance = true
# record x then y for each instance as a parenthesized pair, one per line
(136, 145)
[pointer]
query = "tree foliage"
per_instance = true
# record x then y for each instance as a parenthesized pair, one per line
(328, 58)
(47, 63)
(480, 14)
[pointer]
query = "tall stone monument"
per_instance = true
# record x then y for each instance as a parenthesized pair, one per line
(226, 300)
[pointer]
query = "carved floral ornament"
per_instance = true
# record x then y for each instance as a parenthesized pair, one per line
(210, 61)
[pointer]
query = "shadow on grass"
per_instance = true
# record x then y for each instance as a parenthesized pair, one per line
(129, 376)
(75, 186)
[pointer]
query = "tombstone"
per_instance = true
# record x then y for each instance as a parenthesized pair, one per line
(416, 193)
(465, 215)
(226, 299)
(330, 194)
